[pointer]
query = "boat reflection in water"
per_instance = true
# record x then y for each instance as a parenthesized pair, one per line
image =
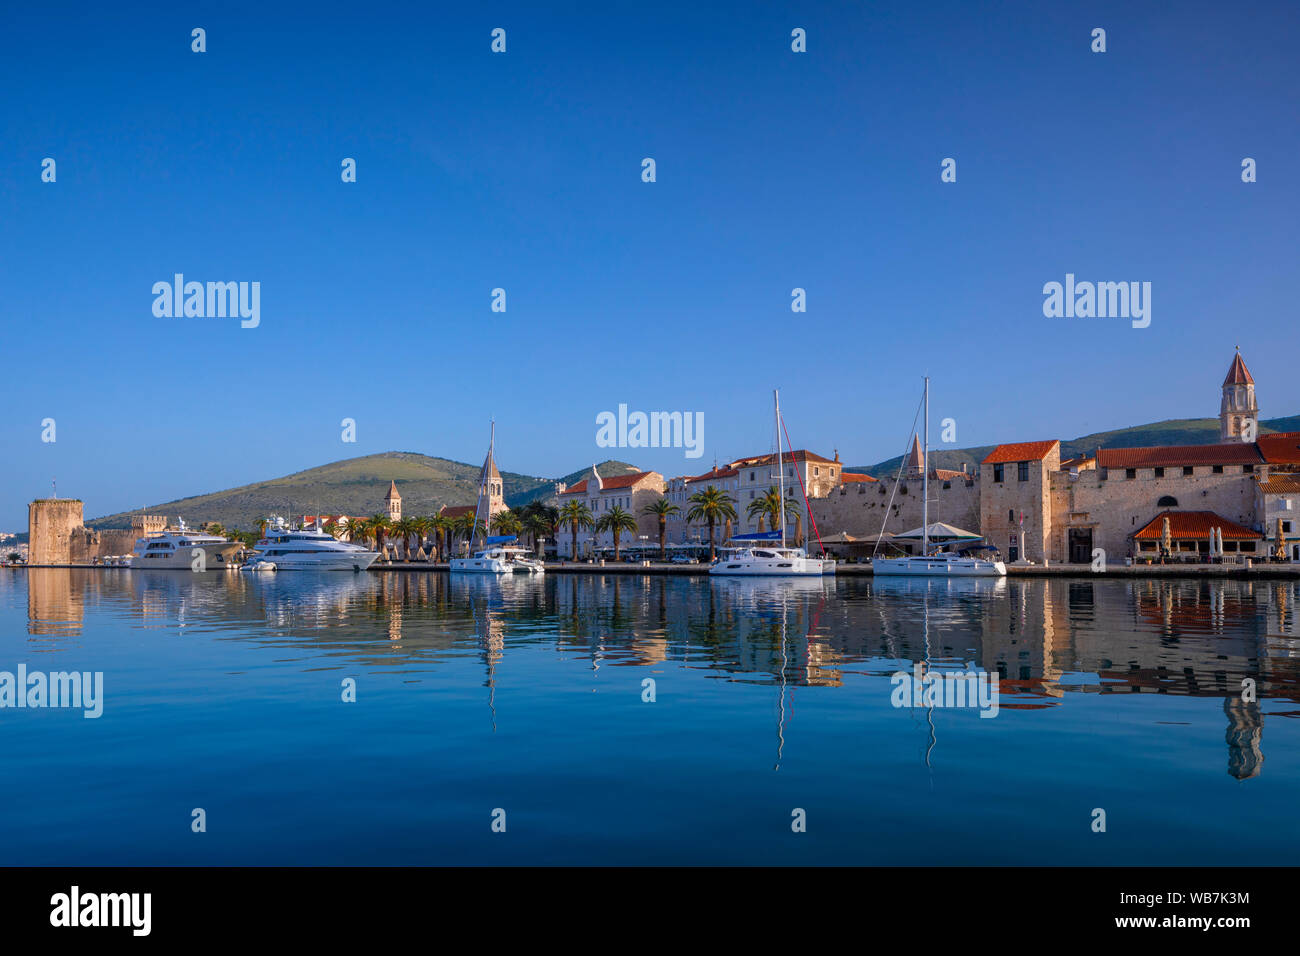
(532, 688)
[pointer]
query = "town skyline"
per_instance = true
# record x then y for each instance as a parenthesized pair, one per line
(625, 455)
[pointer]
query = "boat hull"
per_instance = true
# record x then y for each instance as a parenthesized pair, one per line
(774, 568)
(929, 567)
(490, 566)
(215, 558)
(327, 561)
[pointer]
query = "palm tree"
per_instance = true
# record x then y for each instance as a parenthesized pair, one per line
(661, 509)
(711, 505)
(440, 524)
(507, 522)
(616, 520)
(402, 530)
(262, 524)
(332, 528)
(576, 515)
(420, 528)
(378, 526)
(538, 520)
(769, 508)
(467, 526)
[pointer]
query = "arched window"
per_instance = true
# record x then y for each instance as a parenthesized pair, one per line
(1168, 501)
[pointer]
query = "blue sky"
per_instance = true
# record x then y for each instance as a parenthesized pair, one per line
(775, 170)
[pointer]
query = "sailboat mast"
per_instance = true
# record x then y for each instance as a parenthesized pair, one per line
(780, 467)
(925, 476)
(483, 480)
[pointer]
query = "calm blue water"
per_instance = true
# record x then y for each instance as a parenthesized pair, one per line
(223, 692)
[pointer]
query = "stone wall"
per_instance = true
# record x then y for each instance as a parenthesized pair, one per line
(859, 508)
(1117, 507)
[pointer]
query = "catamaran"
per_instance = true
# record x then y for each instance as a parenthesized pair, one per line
(944, 563)
(499, 555)
(765, 552)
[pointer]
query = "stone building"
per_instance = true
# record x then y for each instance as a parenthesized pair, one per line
(1277, 502)
(632, 493)
(746, 479)
(1035, 506)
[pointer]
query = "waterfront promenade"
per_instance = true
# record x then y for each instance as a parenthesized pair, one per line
(1264, 571)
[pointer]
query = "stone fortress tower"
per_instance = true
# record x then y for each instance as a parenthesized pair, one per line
(53, 527)
(1238, 406)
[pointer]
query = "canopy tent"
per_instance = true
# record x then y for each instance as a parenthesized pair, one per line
(938, 531)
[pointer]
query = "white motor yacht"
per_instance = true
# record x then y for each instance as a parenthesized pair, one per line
(308, 550)
(181, 549)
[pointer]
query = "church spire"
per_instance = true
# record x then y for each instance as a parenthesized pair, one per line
(1238, 411)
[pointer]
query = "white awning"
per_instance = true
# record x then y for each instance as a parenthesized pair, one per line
(938, 531)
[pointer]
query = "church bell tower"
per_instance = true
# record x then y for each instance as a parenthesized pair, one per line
(1238, 412)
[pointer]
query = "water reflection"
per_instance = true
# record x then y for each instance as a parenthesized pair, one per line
(1045, 638)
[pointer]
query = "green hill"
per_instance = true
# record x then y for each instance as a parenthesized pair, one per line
(356, 486)
(1178, 431)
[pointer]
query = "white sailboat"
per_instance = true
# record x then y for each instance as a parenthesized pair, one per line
(940, 563)
(499, 555)
(764, 553)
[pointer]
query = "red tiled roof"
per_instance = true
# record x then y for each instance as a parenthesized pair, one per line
(455, 511)
(1238, 374)
(712, 475)
(1194, 524)
(798, 454)
(1021, 451)
(607, 484)
(1233, 453)
(852, 477)
(1281, 485)
(1280, 449)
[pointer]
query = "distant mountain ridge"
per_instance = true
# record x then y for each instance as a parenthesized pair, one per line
(1177, 431)
(356, 486)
